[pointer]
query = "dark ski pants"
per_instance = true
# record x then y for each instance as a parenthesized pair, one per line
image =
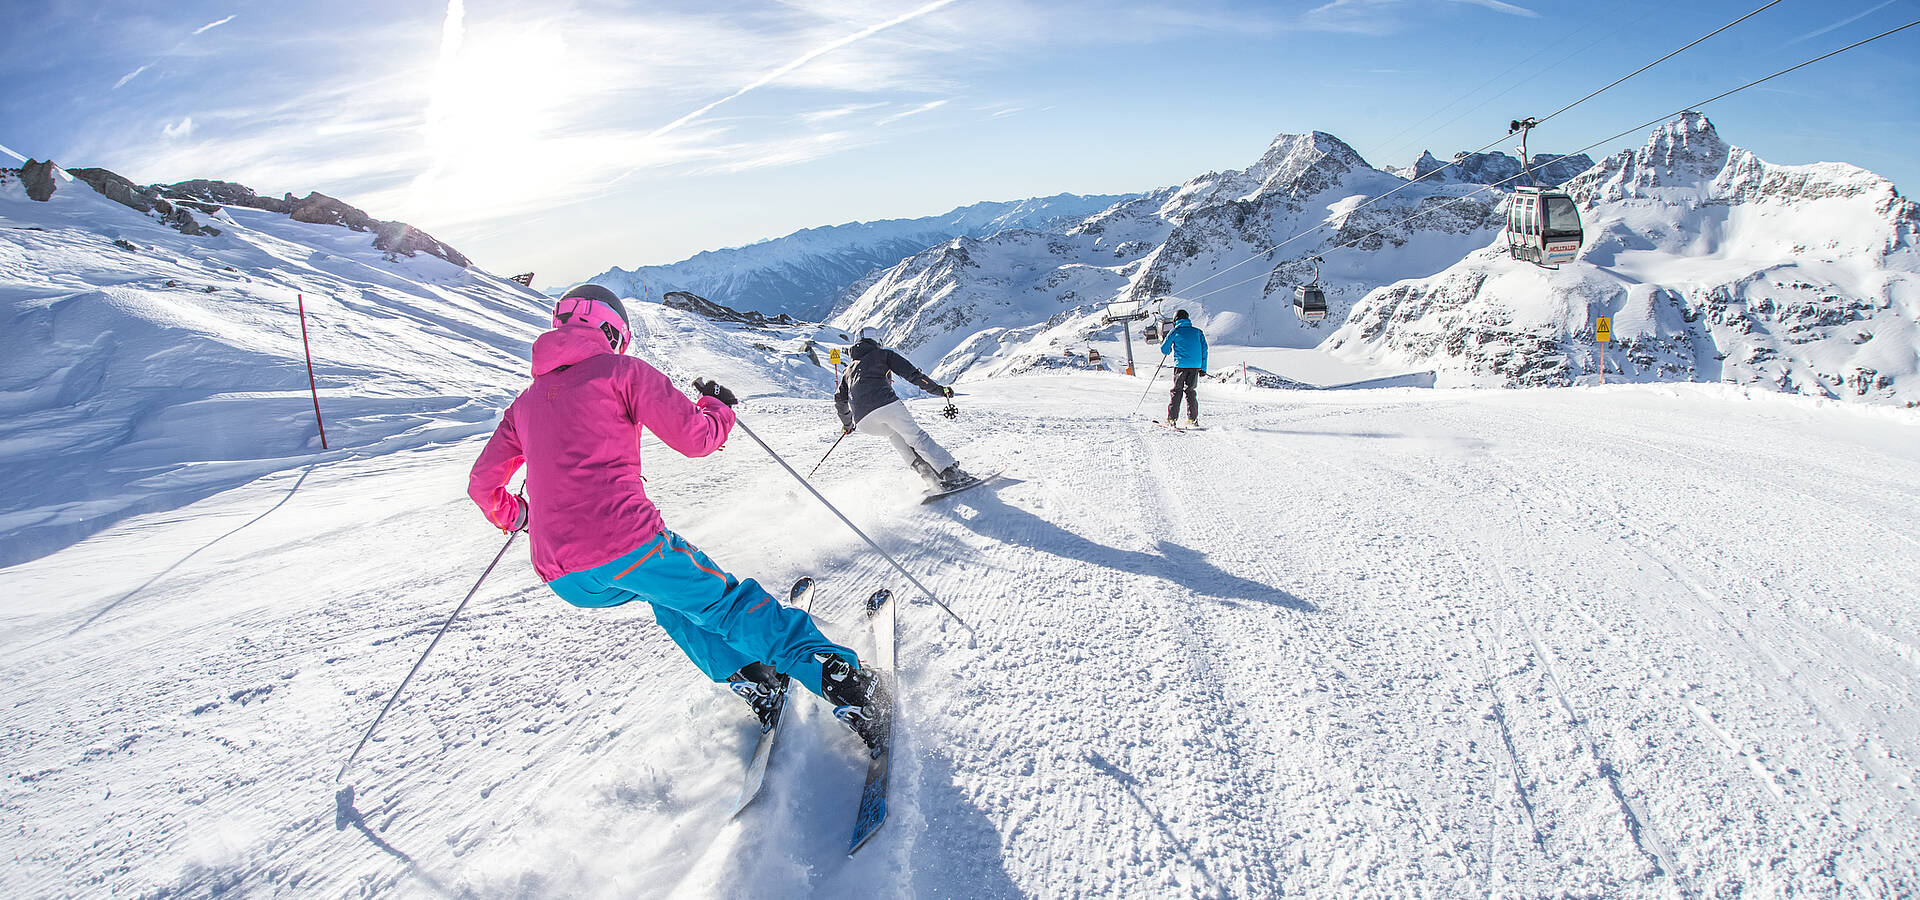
(1186, 382)
(719, 621)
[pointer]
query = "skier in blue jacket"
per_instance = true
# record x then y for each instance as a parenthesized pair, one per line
(1189, 348)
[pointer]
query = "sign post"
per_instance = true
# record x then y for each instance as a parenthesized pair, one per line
(313, 386)
(833, 356)
(1602, 333)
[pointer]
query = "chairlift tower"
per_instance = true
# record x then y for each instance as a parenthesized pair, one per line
(1124, 318)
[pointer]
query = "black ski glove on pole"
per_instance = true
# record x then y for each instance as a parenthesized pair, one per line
(710, 388)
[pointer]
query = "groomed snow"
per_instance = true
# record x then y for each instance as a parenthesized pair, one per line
(1625, 641)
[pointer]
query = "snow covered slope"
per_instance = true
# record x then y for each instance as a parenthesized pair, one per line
(141, 368)
(805, 273)
(1587, 642)
(999, 304)
(1713, 264)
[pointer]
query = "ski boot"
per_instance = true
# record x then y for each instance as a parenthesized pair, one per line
(759, 685)
(857, 697)
(953, 476)
(1170, 423)
(1191, 422)
(926, 471)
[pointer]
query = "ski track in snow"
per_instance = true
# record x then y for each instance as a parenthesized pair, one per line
(1626, 642)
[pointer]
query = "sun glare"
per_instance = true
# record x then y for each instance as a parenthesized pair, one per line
(499, 95)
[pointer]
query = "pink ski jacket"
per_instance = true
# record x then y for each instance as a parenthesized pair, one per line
(577, 430)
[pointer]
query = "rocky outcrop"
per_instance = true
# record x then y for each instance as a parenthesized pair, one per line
(40, 180)
(145, 199)
(172, 202)
(694, 303)
(1498, 168)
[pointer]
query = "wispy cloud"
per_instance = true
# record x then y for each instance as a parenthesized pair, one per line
(129, 77)
(1498, 6)
(212, 25)
(803, 59)
(1389, 16)
(924, 107)
(1843, 22)
(180, 129)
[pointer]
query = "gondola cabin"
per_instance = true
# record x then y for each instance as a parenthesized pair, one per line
(1543, 227)
(1310, 302)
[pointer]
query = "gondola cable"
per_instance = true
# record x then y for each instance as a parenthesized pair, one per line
(1616, 82)
(1648, 123)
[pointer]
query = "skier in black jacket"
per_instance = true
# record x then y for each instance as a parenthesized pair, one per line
(866, 402)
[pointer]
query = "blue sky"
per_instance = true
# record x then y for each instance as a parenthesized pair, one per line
(567, 137)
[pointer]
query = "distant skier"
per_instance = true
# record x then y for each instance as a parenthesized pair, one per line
(598, 541)
(866, 402)
(1189, 348)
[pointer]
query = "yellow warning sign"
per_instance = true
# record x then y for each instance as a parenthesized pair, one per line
(833, 356)
(1603, 329)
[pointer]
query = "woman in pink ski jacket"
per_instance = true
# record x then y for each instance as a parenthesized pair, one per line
(598, 541)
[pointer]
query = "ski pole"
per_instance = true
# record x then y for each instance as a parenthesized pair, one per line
(849, 522)
(423, 657)
(1156, 374)
(823, 456)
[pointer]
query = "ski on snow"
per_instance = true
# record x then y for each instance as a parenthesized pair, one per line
(983, 479)
(1178, 428)
(801, 596)
(873, 796)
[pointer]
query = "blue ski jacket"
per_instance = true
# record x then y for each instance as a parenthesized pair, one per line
(1187, 344)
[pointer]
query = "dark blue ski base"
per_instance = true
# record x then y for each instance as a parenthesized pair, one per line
(801, 595)
(873, 796)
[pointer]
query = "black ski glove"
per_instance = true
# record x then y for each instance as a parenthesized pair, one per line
(946, 392)
(710, 388)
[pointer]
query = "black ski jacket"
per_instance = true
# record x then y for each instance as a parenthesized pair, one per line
(868, 382)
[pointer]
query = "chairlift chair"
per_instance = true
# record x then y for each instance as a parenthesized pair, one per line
(1543, 226)
(1309, 301)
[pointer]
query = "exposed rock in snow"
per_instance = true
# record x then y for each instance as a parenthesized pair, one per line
(697, 304)
(172, 203)
(1498, 168)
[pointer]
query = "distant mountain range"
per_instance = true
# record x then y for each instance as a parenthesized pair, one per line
(805, 274)
(1712, 264)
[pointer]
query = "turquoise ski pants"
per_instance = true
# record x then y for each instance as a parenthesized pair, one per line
(720, 622)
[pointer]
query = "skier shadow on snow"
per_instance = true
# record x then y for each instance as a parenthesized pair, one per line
(1179, 565)
(1132, 784)
(344, 814)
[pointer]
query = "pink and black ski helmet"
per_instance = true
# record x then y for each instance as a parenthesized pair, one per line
(595, 306)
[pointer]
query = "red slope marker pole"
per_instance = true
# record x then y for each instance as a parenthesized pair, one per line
(302, 300)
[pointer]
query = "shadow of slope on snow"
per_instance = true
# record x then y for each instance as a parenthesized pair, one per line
(1174, 563)
(194, 552)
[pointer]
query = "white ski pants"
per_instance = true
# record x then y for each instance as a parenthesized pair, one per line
(894, 423)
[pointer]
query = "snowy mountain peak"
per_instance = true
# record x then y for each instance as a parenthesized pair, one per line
(1679, 158)
(1302, 165)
